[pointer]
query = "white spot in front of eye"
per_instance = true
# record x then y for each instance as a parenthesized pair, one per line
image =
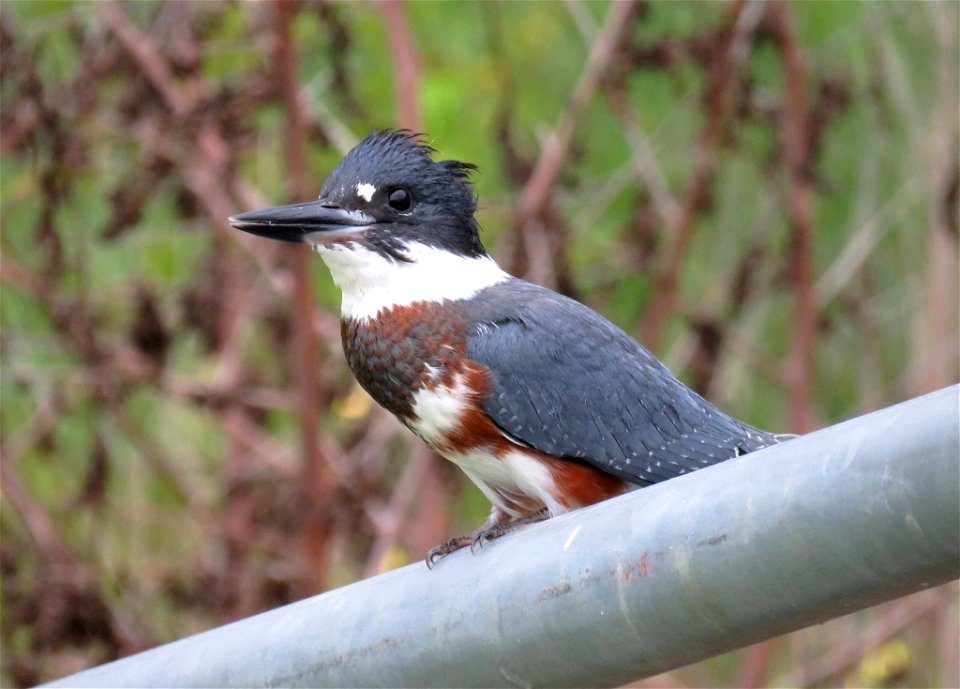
(365, 190)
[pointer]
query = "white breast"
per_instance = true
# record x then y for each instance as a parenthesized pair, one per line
(371, 282)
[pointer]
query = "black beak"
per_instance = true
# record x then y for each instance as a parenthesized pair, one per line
(302, 222)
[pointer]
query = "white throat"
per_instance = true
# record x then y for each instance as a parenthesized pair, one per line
(371, 282)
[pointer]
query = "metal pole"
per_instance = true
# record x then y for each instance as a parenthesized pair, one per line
(824, 525)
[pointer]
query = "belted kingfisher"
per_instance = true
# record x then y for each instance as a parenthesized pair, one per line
(542, 402)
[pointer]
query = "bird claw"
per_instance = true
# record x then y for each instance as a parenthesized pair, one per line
(477, 540)
(437, 553)
(481, 537)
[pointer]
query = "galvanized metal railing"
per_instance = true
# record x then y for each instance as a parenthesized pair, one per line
(835, 521)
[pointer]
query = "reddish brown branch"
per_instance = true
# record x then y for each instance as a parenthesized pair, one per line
(557, 147)
(161, 465)
(145, 53)
(403, 52)
(718, 99)
(205, 168)
(392, 519)
(318, 483)
(111, 368)
(756, 664)
(666, 206)
(795, 141)
(50, 543)
(538, 247)
(70, 574)
(896, 616)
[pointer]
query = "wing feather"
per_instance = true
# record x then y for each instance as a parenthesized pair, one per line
(571, 384)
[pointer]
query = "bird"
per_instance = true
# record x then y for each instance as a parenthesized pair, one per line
(542, 402)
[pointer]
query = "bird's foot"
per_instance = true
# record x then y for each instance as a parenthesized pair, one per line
(478, 539)
(483, 535)
(438, 552)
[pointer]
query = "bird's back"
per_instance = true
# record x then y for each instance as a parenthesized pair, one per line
(571, 384)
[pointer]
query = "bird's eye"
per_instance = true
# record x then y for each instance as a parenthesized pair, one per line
(399, 199)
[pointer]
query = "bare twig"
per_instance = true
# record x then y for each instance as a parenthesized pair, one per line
(938, 318)
(74, 328)
(145, 53)
(405, 60)
(719, 97)
(557, 145)
(318, 484)
(645, 161)
(756, 664)
(864, 240)
(59, 556)
(896, 616)
(47, 538)
(40, 424)
(205, 165)
(540, 236)
(161, 465)
(391, 520)
(795, 139)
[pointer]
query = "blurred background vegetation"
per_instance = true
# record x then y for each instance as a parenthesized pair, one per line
(763, 194)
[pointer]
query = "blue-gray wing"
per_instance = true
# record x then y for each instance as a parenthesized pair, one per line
(569, 383)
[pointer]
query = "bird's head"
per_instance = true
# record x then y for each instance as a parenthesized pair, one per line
(385, 195)
(394, 226)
